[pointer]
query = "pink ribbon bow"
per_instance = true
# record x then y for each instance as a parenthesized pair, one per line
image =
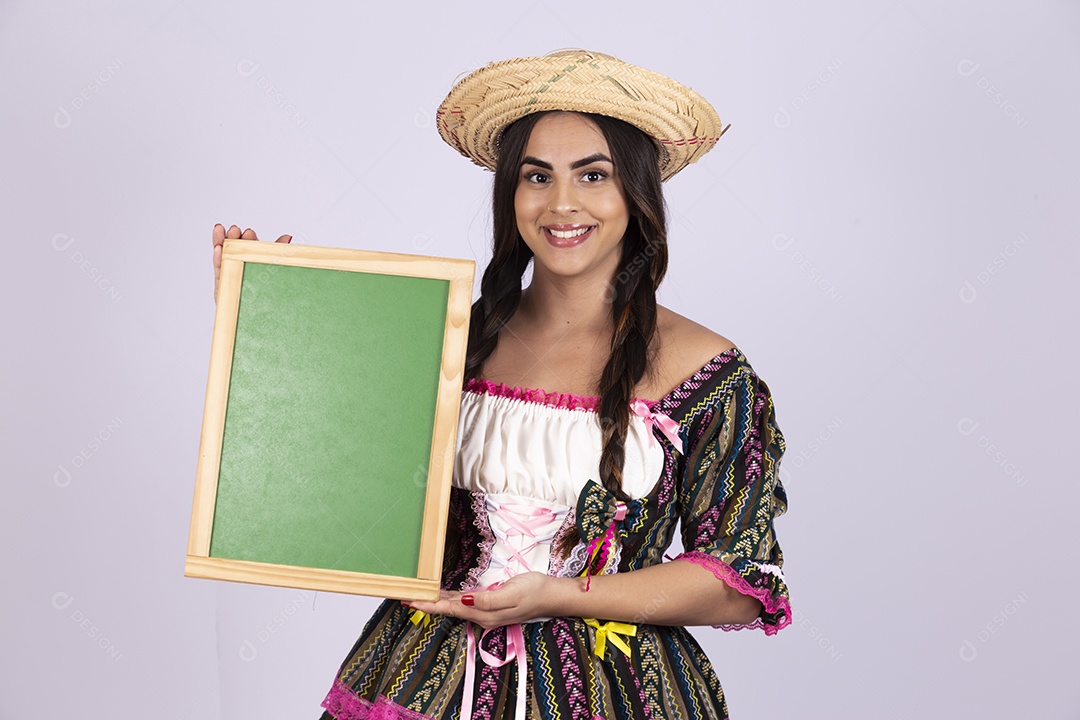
(668, 427)
(601, 546)
(525, 521)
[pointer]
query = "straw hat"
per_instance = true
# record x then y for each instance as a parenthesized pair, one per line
(480, 106)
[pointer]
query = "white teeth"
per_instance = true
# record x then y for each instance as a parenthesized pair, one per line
(565, 234)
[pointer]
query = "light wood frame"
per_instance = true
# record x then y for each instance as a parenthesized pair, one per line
(425, 586)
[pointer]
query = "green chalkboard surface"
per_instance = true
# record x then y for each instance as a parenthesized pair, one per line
(323, 359)
(330, 419)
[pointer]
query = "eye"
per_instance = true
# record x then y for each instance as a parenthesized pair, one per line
(535, 176)
(593, 175)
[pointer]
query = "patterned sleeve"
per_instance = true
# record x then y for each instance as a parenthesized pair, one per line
(731, 493)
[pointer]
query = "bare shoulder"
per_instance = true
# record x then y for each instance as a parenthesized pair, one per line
(683, 347)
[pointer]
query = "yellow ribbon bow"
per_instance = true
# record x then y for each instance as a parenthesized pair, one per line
(611, 630)
(419, 616)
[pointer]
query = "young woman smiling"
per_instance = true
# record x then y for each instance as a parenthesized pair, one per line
(593, 424)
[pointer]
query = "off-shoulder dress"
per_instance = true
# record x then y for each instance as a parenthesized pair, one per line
(703, 458)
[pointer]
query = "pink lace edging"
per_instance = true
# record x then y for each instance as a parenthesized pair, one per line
(535, 395)
(487, 541)
(726, 573)
(344, 704)
(567, 401)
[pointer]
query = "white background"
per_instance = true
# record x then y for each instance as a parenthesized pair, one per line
(888, 231)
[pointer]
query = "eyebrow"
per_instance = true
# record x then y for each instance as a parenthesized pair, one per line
(595, 157)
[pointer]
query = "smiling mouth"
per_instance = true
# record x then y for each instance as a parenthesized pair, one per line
(567, 236)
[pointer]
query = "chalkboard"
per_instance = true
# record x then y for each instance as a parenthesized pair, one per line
(330, 420)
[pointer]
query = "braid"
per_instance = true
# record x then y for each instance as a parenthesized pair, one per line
(500, 293)
(634, 312)
(500, 287)
(633, 309)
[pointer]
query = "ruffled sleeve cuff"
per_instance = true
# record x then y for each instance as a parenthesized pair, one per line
(758, 580)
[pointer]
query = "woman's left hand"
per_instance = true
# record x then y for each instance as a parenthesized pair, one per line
(520, 599)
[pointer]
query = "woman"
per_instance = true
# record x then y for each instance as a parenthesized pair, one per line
(592, 422)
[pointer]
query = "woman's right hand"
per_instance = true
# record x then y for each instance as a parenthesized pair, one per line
(220, 235)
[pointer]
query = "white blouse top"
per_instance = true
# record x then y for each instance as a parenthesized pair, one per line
(530, 453)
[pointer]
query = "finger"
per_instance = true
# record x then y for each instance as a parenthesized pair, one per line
(485, 602)
(492, 601)
(248, 234)
(234, 233)
(218, 234)
(431, 608)
(448, 604)
(284, 239)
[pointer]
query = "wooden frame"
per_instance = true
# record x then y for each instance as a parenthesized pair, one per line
(267, 479)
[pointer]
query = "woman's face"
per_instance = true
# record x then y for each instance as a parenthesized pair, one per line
(569, 203)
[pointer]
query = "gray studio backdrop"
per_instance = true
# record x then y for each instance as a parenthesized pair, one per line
(888, 231)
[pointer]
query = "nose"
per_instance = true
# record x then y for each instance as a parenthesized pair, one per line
(564, 198)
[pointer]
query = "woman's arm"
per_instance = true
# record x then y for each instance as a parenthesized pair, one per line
(672, 593)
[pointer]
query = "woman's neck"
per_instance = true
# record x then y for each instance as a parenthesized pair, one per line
(564, 305)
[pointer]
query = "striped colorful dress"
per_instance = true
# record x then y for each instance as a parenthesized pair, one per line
(704, 458)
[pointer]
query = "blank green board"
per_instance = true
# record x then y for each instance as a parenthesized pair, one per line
(329, 419)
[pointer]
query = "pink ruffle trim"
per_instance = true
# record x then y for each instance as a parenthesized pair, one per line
(725, 572)
(568, 401)
(344, 704)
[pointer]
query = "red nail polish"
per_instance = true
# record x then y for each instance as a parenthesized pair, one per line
(467, 600)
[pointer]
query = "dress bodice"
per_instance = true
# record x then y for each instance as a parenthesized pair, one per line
(530, 453)
(703, 460)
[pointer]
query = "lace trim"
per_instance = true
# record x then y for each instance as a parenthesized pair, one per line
(673, 399)
(487, 541)
(568, 401)
(725, 572)
(575, 563)
(344, 704)
(557, 564)
(592, 402)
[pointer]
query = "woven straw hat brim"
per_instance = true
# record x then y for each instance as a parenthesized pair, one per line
(480, 106)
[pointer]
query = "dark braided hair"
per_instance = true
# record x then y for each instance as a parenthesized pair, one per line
(632, 291)
(500, 286)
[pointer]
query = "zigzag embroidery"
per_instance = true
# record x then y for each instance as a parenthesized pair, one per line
(410, 662)
(374, 661)
(665, 676)
(443, 667)
(673, 400)
(548, 677)
(622, 688)
(722, 388)
(680, 662)
(738, 507)
(594, 695)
